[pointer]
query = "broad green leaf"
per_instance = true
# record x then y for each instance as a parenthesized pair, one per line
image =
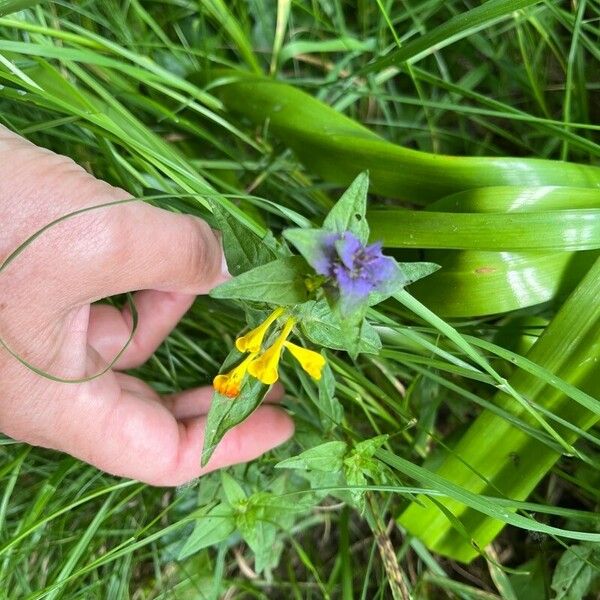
(281, 283)
(210, 529)
(336, 147)
(243, 249)
(326, 457)
(226, 413)
(348, 214)
(563, 230)
(495, 456)
(573, 573)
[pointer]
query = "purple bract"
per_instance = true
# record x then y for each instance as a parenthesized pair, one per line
(357, 270)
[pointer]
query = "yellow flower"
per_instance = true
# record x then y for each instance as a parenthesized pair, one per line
(230, 384)
(252, 341)
(264, 368)
(312, 362)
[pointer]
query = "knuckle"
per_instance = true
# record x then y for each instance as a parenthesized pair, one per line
(202, 251)
(108, 231)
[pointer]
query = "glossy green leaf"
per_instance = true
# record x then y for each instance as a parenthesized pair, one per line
(472, 283)
(494, 456)
(563, 230)
(338, 148)
(531, 263)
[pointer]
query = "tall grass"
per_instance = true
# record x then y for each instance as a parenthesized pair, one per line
(138, 93)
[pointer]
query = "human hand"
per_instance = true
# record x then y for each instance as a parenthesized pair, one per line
(115, 422)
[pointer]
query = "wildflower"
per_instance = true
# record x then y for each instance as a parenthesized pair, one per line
(252, 341)
(312, 362)
(265, 367)
(230, 384)
(356, 269)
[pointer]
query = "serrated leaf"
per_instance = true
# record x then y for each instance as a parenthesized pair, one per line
(324, 328)
(326, 457)
(243, 249)
(349, 212)
(233, 490)
(211, 529)
(280, 282)
(225, 413)
(573, 574)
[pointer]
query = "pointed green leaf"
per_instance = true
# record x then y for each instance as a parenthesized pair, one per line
(233, 490)
(573, 574)
(326, 457)
(281, 282)
(210, 529)
(243, 249)
(332, 410)
(349, 212)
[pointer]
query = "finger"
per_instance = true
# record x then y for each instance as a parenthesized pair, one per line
(187, 404)
(194, 403)
(139, 438)
(158, 312)
(103, 251)
(136, 246)
(267, 428)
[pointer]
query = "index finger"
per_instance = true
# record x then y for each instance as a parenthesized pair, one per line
(145, 247)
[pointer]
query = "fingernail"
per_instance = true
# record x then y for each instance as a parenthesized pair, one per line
(224, 269)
